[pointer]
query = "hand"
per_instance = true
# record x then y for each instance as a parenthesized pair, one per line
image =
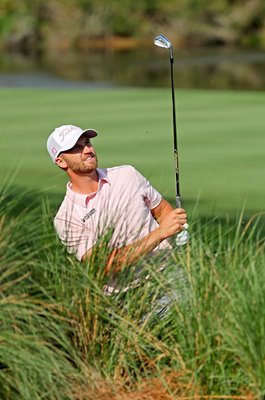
(172, 223)
(183, 237)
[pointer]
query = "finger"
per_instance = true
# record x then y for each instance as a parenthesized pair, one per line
(181, 217)
(180, 210)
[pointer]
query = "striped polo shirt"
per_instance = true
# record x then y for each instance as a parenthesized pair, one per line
(119, 211)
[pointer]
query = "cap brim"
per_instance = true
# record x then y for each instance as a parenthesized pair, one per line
(91, 133)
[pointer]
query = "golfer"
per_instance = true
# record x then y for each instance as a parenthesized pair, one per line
(118, 203)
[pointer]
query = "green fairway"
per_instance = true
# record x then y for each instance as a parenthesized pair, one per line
(220, 136)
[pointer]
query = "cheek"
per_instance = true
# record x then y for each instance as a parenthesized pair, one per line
(71, 159)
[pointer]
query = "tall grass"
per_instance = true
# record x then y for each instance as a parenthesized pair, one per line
(61, 338)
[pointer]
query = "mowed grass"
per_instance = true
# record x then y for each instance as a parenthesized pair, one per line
(220, 137)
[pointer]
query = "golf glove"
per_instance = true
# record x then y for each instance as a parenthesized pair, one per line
(183, 237)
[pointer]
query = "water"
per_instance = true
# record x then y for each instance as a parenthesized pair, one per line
(219, 68)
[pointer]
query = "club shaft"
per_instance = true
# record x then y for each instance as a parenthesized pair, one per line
(176, 159)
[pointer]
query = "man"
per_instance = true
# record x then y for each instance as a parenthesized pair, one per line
(118, 202)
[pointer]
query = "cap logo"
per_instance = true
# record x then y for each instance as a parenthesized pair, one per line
(54, 150)
(65, 132)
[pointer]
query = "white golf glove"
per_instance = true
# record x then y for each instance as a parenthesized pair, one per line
(183, 237)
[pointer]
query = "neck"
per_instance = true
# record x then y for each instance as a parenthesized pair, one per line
(84, 184)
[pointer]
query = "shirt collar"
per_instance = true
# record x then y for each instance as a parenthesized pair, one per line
(83, 199)
(102, 175)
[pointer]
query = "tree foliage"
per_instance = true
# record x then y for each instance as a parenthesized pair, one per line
(42, 24)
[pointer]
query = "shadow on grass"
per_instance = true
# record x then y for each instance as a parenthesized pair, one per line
(242, 217)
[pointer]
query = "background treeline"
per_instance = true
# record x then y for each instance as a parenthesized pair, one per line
(39, 25)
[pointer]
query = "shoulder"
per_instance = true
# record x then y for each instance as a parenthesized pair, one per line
(61, 213)
(120, 168)
(121, 171)
(62, 209)
(66, 213)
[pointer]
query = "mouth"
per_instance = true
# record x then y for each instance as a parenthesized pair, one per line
(90, 156)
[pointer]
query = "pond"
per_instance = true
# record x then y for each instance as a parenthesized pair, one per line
(207, 68)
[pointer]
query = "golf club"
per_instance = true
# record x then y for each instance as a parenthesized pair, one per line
(162, 41)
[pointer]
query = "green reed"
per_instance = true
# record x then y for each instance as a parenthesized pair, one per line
(61, 335)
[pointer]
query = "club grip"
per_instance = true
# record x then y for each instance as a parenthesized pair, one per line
(178, 201)
(182, 238)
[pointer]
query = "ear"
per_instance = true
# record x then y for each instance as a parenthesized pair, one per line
(61, 163)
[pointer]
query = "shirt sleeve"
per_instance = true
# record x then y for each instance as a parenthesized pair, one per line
(151, 196)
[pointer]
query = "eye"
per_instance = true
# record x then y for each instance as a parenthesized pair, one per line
(77, 146)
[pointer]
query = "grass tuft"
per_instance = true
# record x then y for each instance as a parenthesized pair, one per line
(62, 338)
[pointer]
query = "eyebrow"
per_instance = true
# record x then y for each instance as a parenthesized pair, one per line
(81, 141)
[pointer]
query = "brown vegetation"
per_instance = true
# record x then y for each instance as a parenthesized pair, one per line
(168, 387)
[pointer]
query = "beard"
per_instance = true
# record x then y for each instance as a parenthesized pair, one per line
(82, 167)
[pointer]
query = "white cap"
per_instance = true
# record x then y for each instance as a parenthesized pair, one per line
(64, 138)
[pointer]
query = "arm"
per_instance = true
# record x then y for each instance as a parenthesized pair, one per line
(170, 222)
(160, 212)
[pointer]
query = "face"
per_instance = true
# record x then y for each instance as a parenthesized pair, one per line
(81, 159)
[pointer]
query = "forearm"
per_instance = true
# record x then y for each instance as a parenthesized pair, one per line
(131, 253)
(161, 211)
(170, 221)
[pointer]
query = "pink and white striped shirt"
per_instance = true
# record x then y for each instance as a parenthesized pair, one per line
(121, 208)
